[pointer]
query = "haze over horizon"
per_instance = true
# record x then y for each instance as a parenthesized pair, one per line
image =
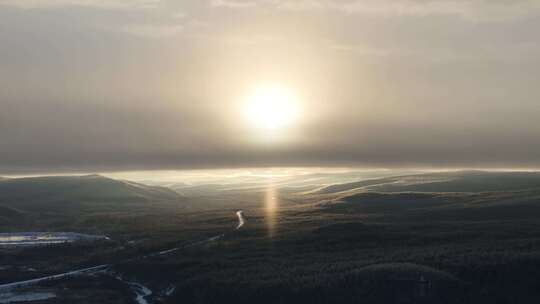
(104, 86)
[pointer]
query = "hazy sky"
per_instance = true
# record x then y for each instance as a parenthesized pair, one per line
(95, 85)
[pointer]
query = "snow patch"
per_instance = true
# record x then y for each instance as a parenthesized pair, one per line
(11, 297)
(45, 238)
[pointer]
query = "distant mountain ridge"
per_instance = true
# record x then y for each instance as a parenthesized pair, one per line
(460, 181)
(69, 191)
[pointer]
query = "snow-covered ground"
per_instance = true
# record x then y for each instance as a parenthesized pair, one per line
(140, 290)
(169, 290)
(12, 297)
(5, 288)
(45, 238)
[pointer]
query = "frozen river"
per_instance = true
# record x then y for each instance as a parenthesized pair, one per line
(45, 238)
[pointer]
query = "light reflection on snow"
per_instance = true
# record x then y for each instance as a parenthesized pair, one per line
(271, 205)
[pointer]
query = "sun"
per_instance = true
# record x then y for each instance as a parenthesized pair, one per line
(271, 108)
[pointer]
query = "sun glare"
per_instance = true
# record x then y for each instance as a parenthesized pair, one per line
(271, 108)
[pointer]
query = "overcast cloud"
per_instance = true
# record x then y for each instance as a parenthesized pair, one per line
(91, 85)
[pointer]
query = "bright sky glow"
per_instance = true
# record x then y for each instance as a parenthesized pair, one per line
(271, 108)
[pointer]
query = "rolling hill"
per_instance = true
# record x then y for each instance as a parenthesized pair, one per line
(72, 192)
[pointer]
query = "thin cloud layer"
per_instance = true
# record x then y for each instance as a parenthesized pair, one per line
(475, 9)
(105, 4)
